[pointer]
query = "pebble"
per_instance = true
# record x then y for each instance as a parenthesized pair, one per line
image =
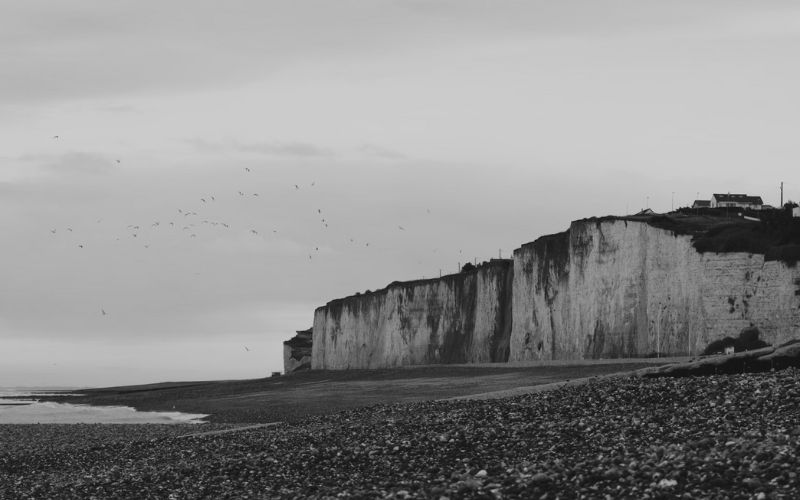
(573, 442)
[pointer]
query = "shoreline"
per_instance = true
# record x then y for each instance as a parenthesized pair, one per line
(291, 398)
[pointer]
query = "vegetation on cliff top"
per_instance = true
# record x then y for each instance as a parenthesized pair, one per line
(776, 234)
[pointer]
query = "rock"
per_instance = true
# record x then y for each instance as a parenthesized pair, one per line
(667, 483)
(539, 478)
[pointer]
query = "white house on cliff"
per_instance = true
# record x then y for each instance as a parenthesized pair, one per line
(736, 201)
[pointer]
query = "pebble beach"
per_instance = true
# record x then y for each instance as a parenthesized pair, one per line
(724, 436)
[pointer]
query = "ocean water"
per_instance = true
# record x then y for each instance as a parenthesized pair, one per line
(23, 411)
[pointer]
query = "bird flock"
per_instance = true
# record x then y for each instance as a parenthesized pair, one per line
(194, 221)
(189, 221)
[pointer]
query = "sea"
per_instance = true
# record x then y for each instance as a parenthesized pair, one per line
(19, 405)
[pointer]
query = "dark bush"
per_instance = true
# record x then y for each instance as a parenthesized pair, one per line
(718, 346)
(469, 266)
(747, 341)
(789, 254)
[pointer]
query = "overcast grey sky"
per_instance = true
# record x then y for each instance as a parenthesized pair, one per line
(475, 125)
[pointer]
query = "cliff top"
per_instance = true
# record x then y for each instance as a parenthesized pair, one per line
(447, 277)
(302, 339)
(772, 233)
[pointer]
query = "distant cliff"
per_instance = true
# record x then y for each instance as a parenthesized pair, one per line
(297, 352)
(623, 288)
(459, 318)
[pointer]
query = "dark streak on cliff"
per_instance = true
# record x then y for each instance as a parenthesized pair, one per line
(501, 344)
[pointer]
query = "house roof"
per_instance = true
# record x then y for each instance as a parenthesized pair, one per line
(738, 198)
(701, 203)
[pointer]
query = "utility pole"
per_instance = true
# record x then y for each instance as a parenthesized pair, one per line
(500, 253)
(781, 194)
(673, 201)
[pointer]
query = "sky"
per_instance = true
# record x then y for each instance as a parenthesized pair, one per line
(182, 183)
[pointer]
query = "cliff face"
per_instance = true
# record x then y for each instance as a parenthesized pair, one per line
(297, 352)
(617, 288)
(461, 318)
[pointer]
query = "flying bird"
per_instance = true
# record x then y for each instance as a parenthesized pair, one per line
(103, 311)
(401, 228)
(247, 169)
(55, 137)
(255, 194)
(246, 349)
(254, 231)
(53, 231)
(203, 200)
(69, 229)
(80, 246)
(296, 186)
(118, 161)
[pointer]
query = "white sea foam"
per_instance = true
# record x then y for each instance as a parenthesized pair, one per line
(17, 411)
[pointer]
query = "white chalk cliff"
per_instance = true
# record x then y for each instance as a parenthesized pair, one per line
(606, 288)
(460, 318)
(622, 288)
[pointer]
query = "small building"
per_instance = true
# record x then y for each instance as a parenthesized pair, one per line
(701, 204)
(736, 201)
(297, 352)
(729, 350)
(796, 212)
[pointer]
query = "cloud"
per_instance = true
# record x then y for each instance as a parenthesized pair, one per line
(81, 162)
(376, 151)
(55, 51)
(277, 148)
(303, 149)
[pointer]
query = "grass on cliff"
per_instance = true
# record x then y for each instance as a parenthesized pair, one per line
(776, 236)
